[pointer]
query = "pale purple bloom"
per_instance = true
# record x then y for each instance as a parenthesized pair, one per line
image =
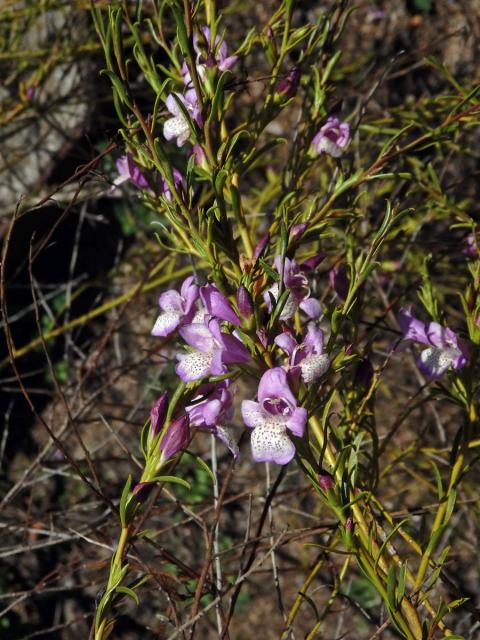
(332, 138)
(210, 409)
(175, 439)
(217, 305)
(212, 350)
(307, 356)
(297, 284)
(128, 170)
(158, 413)
(178, 127)
(216, 56)
(275, 412)
(177, 308)
(445, 349)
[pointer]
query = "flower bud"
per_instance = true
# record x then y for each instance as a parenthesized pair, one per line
(365, 373)
(261, 246)
(312, 263)
(325, 481)
(244, 302)
(289, 85)
(176, 438)
(142, 490)
(349, 524)
(158, 413)
(338, 281)
(262, 336)
(298, 230)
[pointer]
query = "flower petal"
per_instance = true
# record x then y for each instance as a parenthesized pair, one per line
(314, 339)
(274, 384)
(172, 105)
(198, 336)
(412, 328)
(225, 436)
(313, 367)
(435, 361)
(252, 414)
(233, 352)
(176, 128)
(311, 307)
(217, 304)
(227, 63)
(170, 301)
(193, 366)
(297, 422)
(270, 443)
(166, 323)
(286, 342)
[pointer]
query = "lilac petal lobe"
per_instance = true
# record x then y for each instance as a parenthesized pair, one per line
(297, 422)
(311, 307)
(252, 414)
(217, 304)
(225, 436)
(270, 443)
(274, 384)
(198, 336)
(194, 366)
(166, 323)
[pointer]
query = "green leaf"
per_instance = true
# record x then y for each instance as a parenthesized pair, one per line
(128, 592)
(391, 584)
(124, 499)
(173, 480)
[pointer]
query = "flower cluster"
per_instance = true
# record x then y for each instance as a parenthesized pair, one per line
(208, 325)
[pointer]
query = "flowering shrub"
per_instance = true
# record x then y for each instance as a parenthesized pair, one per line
(277, 311)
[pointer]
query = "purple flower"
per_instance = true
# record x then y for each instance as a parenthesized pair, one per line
(445, 349)
(270, 417)
(178, 181)
(217, 305)
(209, 410)
(297, 284)
(212, 350)
(177, 308)
(175, 439)
(307, 356)
(128, 170)
(332, 138)
(158, 413)
(178, 127)
(216, 56)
